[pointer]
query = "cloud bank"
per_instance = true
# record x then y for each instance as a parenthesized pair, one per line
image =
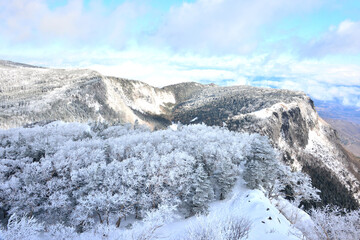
(341, 39)
(225, 26)
(322, 81)
(75, 23)
(227, 42)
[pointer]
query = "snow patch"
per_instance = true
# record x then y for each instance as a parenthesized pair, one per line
(174, 127)
(267, 221)
(194, 119)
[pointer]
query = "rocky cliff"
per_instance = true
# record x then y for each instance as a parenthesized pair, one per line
(289, 119)
(29, 94)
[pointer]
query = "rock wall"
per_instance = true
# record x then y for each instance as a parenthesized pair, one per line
(289, 119)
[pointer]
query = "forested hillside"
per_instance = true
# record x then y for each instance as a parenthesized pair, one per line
(30, 94)
(80, 176)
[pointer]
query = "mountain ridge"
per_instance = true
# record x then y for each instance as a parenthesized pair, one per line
(288, 118)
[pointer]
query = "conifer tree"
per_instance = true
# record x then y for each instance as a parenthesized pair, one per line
(262, 166)
(203, 191)
(226, 176)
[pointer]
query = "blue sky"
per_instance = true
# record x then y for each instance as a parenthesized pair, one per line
(307, 45)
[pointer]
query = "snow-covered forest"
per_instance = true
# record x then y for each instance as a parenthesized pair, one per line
(99, 181)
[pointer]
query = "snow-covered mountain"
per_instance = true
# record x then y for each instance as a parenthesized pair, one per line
(290, 120)
(196, 182)
(30, 94)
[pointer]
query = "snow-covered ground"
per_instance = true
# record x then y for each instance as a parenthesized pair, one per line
(266, 220)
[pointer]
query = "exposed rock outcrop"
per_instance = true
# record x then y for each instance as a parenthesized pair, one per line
(289, 119)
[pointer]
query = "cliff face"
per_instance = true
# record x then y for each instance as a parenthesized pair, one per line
(288, 118)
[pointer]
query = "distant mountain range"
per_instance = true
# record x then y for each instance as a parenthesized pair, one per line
(306, 142)
(335, 110)
(345, 120)
(349, 134)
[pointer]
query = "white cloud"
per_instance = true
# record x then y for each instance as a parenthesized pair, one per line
(217, 27)
(34, 22)
(161, 69)
(343, 39)
(320, 80)
(224, 25)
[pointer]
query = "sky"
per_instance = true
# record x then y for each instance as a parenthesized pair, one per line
(306, 45)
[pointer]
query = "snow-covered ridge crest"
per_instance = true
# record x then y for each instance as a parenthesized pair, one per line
(29, 94)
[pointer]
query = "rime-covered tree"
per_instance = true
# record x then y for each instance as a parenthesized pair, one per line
(80, 175)
(264, 170)
(262, 166)
(203, 191)
(226, 175)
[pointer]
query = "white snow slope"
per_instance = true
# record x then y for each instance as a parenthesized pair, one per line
(268, 220)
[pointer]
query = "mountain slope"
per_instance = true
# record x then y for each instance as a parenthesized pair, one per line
(266, 221)
(29, 94)
(349, 134)
(289, 119)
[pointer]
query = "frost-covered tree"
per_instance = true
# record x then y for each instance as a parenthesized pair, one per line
(226, 176)
(264, 170)
(262, 166)
(22, 228)
(80, 175)
(301, 188)
(203, 191)
(332, 222)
